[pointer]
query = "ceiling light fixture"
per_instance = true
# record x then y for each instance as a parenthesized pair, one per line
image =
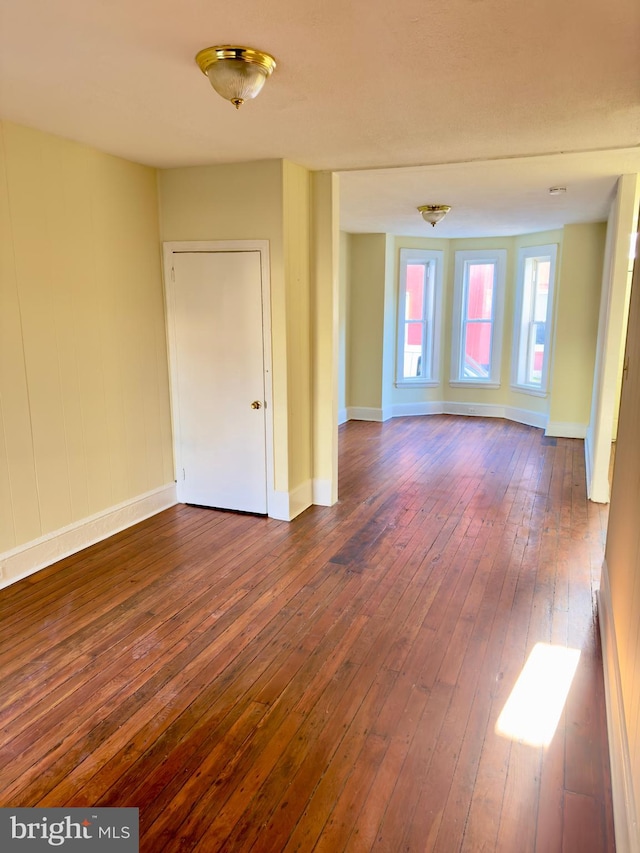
(433, 213)
(236, 73)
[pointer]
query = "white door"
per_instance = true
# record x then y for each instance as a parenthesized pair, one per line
(215, 320)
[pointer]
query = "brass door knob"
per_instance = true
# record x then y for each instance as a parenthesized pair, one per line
(256, 404)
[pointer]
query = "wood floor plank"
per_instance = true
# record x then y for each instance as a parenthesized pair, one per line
(333, 683)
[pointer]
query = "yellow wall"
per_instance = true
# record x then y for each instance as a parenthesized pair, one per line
(368, 259)
(372, 354)
(343, 323)
(240, 201)
(325, 334)
(83, 375)
(296, 248)
(269, 200)
(576, 322)
(623, 547)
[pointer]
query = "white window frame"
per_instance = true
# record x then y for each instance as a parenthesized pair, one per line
(521, 326)
(463, 259)
(431, 320)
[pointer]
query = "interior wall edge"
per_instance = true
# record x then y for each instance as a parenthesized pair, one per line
(32, 556)
(624, 812)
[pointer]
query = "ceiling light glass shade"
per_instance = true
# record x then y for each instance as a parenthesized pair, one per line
(236, 73)
(433, 213)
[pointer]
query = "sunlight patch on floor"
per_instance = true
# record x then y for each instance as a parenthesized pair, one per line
(532, 711)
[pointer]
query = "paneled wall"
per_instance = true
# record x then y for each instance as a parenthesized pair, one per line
(84, 403)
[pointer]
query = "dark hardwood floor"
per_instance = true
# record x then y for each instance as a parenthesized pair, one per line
(333, 683)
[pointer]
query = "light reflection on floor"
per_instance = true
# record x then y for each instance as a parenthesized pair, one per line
(534, 707)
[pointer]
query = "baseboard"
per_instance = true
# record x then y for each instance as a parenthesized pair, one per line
(278, 506)
(364, 413)
(493, 410)
(35, 555)
(300, 498)
(285, 506)
(588, 460)
(426, 407)
(343, 416)
(323, 493)
(624, 810)
(566, 430)
(437, 407)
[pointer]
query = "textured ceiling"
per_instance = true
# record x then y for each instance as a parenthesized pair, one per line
(359, 85)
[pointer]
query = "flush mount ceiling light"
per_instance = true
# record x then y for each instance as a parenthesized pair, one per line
(236, 73)
(433, 213)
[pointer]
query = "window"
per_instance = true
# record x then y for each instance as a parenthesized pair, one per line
(477, 317)
(420, 296)
(534, 303)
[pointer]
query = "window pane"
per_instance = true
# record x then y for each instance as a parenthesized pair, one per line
(412, 356)
(477, 350)
(415, 291)
(536, 354)
(480, 291)
(541, 291)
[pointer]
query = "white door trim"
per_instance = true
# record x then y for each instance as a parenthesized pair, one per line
(262, 246)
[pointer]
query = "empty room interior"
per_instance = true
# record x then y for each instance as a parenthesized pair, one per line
(319, 406)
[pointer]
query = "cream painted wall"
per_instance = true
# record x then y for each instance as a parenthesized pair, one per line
(325, 287)
(576, 300)
(296, 212)
(240, 201)
(83, 374)
(343, 324)
(623, 569)
(576, 323)
(393, 397)
(274, 201)
(368, 260)
(612, 328)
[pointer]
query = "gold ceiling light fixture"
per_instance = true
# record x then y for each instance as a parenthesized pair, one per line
(433, 213)
(236, 73)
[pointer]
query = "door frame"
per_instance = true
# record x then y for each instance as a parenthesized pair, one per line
(169, 248)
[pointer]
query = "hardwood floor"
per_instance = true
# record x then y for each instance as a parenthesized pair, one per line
(331, 684)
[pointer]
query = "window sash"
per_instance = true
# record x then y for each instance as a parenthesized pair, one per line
(467, 331)
(418, 363)
(532, 323)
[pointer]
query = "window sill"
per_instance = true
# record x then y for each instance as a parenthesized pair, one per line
(417, 383)
(532, 392)
(473, 383)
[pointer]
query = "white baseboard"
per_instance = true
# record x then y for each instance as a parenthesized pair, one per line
(364, 413)
(284, 506)
(493, 410)
(426, 407)
(588, 460)
(566, 430)
(278, 506)
(300, 498)
(477, 410)
(343, 416)
(323, 493)
(35, 555)
(624, 809)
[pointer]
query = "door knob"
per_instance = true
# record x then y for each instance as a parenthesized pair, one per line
(256, 404)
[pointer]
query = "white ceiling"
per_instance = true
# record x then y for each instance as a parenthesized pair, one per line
(504, 93)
